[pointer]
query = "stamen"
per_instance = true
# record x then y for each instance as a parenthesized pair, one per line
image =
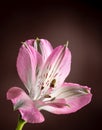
(38, 45)
(24, 43)
(53, 99)
(37, 40)
(67, 43)
(52, 85)
(47, 96)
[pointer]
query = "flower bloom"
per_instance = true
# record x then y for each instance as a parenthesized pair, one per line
(43, 70)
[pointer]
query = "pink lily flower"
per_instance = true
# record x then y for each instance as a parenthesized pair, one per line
(43, 70)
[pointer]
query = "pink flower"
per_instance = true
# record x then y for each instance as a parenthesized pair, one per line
(43, 70)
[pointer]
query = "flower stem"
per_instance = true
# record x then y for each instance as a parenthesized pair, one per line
(20, 124)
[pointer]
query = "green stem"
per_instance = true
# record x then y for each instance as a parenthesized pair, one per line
(20, 124)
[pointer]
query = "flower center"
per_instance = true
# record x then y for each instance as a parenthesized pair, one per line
(46, 96)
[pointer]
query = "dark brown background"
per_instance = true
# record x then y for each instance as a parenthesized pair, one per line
(78, 22)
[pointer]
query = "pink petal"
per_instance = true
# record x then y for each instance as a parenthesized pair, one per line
(25, 105)
(75, 97)
(58, 106)
(28, 63)
(44, 46)
(56, 67)
(79, 99)
(30, 42)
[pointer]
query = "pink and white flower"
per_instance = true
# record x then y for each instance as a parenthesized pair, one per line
(43, 70)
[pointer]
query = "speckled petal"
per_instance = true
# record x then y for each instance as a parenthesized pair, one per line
(68, 98)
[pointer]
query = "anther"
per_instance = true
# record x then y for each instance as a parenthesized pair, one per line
(37, 40)
(52, 84)
(24, 43)
(47, 96)
(67, 43)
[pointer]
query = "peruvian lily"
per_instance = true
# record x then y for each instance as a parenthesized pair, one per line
(43, 70)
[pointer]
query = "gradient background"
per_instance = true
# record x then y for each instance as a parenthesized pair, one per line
(81, 24)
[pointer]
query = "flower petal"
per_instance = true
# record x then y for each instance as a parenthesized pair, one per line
(56, 68)
(70, 90)
(25, 105)
(30, 42)
(46, 48)
(28, 63)
(41, 45)
(75, 97)
(57, 106)
(81, 96)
